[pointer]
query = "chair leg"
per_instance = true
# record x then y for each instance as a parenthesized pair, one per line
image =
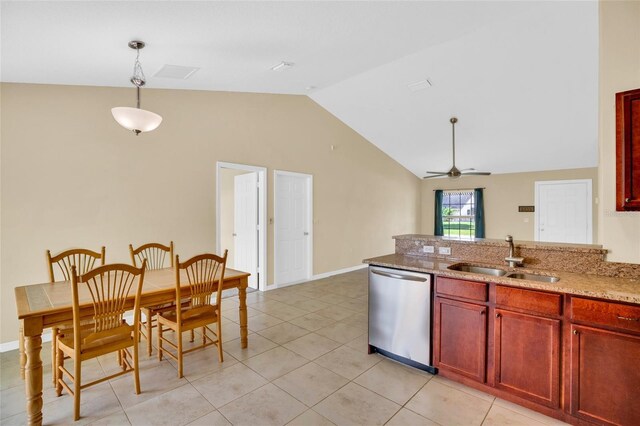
(193, 336)
(179, 336)
(220, 356)
(136, 375)
(150, 316)
(120, 361)
(54, 336)
(204, 336)
(77, 377)
(59, 362)
(159, 341)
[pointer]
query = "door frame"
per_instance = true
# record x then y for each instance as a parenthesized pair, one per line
(538, 184)
(309, 219)
(262, 215)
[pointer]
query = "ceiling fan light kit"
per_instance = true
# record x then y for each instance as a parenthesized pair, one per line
(136, 119)
(454, 172)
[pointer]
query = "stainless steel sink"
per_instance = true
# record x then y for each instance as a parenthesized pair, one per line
(533, 277)
(477, 269)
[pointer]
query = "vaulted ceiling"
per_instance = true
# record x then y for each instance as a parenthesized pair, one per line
(520, 76)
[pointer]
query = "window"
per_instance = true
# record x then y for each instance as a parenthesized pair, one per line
(458, 214)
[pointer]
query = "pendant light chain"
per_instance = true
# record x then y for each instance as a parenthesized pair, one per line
(138, 79)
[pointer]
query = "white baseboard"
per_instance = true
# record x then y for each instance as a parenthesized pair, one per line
(13, 345)
(318, 276)
(339, 271)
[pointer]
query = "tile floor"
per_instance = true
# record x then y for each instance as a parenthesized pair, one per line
(306, 365)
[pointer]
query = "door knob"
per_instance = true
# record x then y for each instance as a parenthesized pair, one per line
(234, 234)
(306, 233)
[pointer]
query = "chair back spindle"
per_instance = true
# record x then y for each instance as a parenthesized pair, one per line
(82, 259)
(154, 253)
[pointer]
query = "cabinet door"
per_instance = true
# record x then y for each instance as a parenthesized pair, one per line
(527, 356)
(605, 377)
(628, 150)
(460, 338)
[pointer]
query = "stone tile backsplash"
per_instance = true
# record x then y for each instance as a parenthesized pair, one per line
(580, 258)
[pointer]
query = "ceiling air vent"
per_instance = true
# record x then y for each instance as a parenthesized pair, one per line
(420, 85)
(176, 72)
(282, 66)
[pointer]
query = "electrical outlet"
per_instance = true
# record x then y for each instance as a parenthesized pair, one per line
(444, 250)
(428, 249)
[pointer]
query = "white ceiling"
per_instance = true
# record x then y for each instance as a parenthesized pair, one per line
(521, 76)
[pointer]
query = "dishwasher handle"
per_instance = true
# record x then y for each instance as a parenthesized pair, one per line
(400, 276)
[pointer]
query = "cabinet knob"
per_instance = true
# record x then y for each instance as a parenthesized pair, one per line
(575, 332)
(627, 200)
(498, 315)
(481, 312)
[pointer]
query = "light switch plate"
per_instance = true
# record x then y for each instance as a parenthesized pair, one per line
(444, 250)
(428, 249)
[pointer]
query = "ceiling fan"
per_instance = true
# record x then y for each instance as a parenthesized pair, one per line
(454, 172)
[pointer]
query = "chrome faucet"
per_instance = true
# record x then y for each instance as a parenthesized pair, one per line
(511, 260)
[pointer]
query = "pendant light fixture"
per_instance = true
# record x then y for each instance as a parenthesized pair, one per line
(136, 119)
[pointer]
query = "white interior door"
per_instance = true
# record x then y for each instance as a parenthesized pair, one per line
(245, 223)
(564, 212)
(293, 236)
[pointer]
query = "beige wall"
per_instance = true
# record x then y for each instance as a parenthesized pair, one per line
(619, 71)
(502, 196)
(227, 209)
(73, 177)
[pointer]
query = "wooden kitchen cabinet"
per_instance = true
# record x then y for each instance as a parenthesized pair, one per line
(573, 358)
(604, 376)
(527, 356)
(628, 150)
(526, 344)
(604, 359)
(460, 338)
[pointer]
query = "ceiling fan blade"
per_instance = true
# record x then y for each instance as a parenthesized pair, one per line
(470, 169)
(476, 173)
(436, 175)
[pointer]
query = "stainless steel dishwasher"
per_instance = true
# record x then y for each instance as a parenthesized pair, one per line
(400, 316)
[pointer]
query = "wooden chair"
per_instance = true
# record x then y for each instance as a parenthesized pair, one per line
(109, 288)
(155, 255)
(204, 274)
(84, 260)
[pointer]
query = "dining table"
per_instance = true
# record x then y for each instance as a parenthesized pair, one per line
(49, 305)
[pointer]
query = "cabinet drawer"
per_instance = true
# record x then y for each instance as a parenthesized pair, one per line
(529, 300)
(469, 290)
(613, 314)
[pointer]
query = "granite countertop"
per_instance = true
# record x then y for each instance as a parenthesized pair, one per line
(618, 289)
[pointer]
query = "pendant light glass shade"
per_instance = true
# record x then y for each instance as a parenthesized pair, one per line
(136, 119)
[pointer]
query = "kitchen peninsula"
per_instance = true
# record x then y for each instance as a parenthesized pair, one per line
(559, 335)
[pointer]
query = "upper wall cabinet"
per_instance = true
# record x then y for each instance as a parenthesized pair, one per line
(628, 150)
